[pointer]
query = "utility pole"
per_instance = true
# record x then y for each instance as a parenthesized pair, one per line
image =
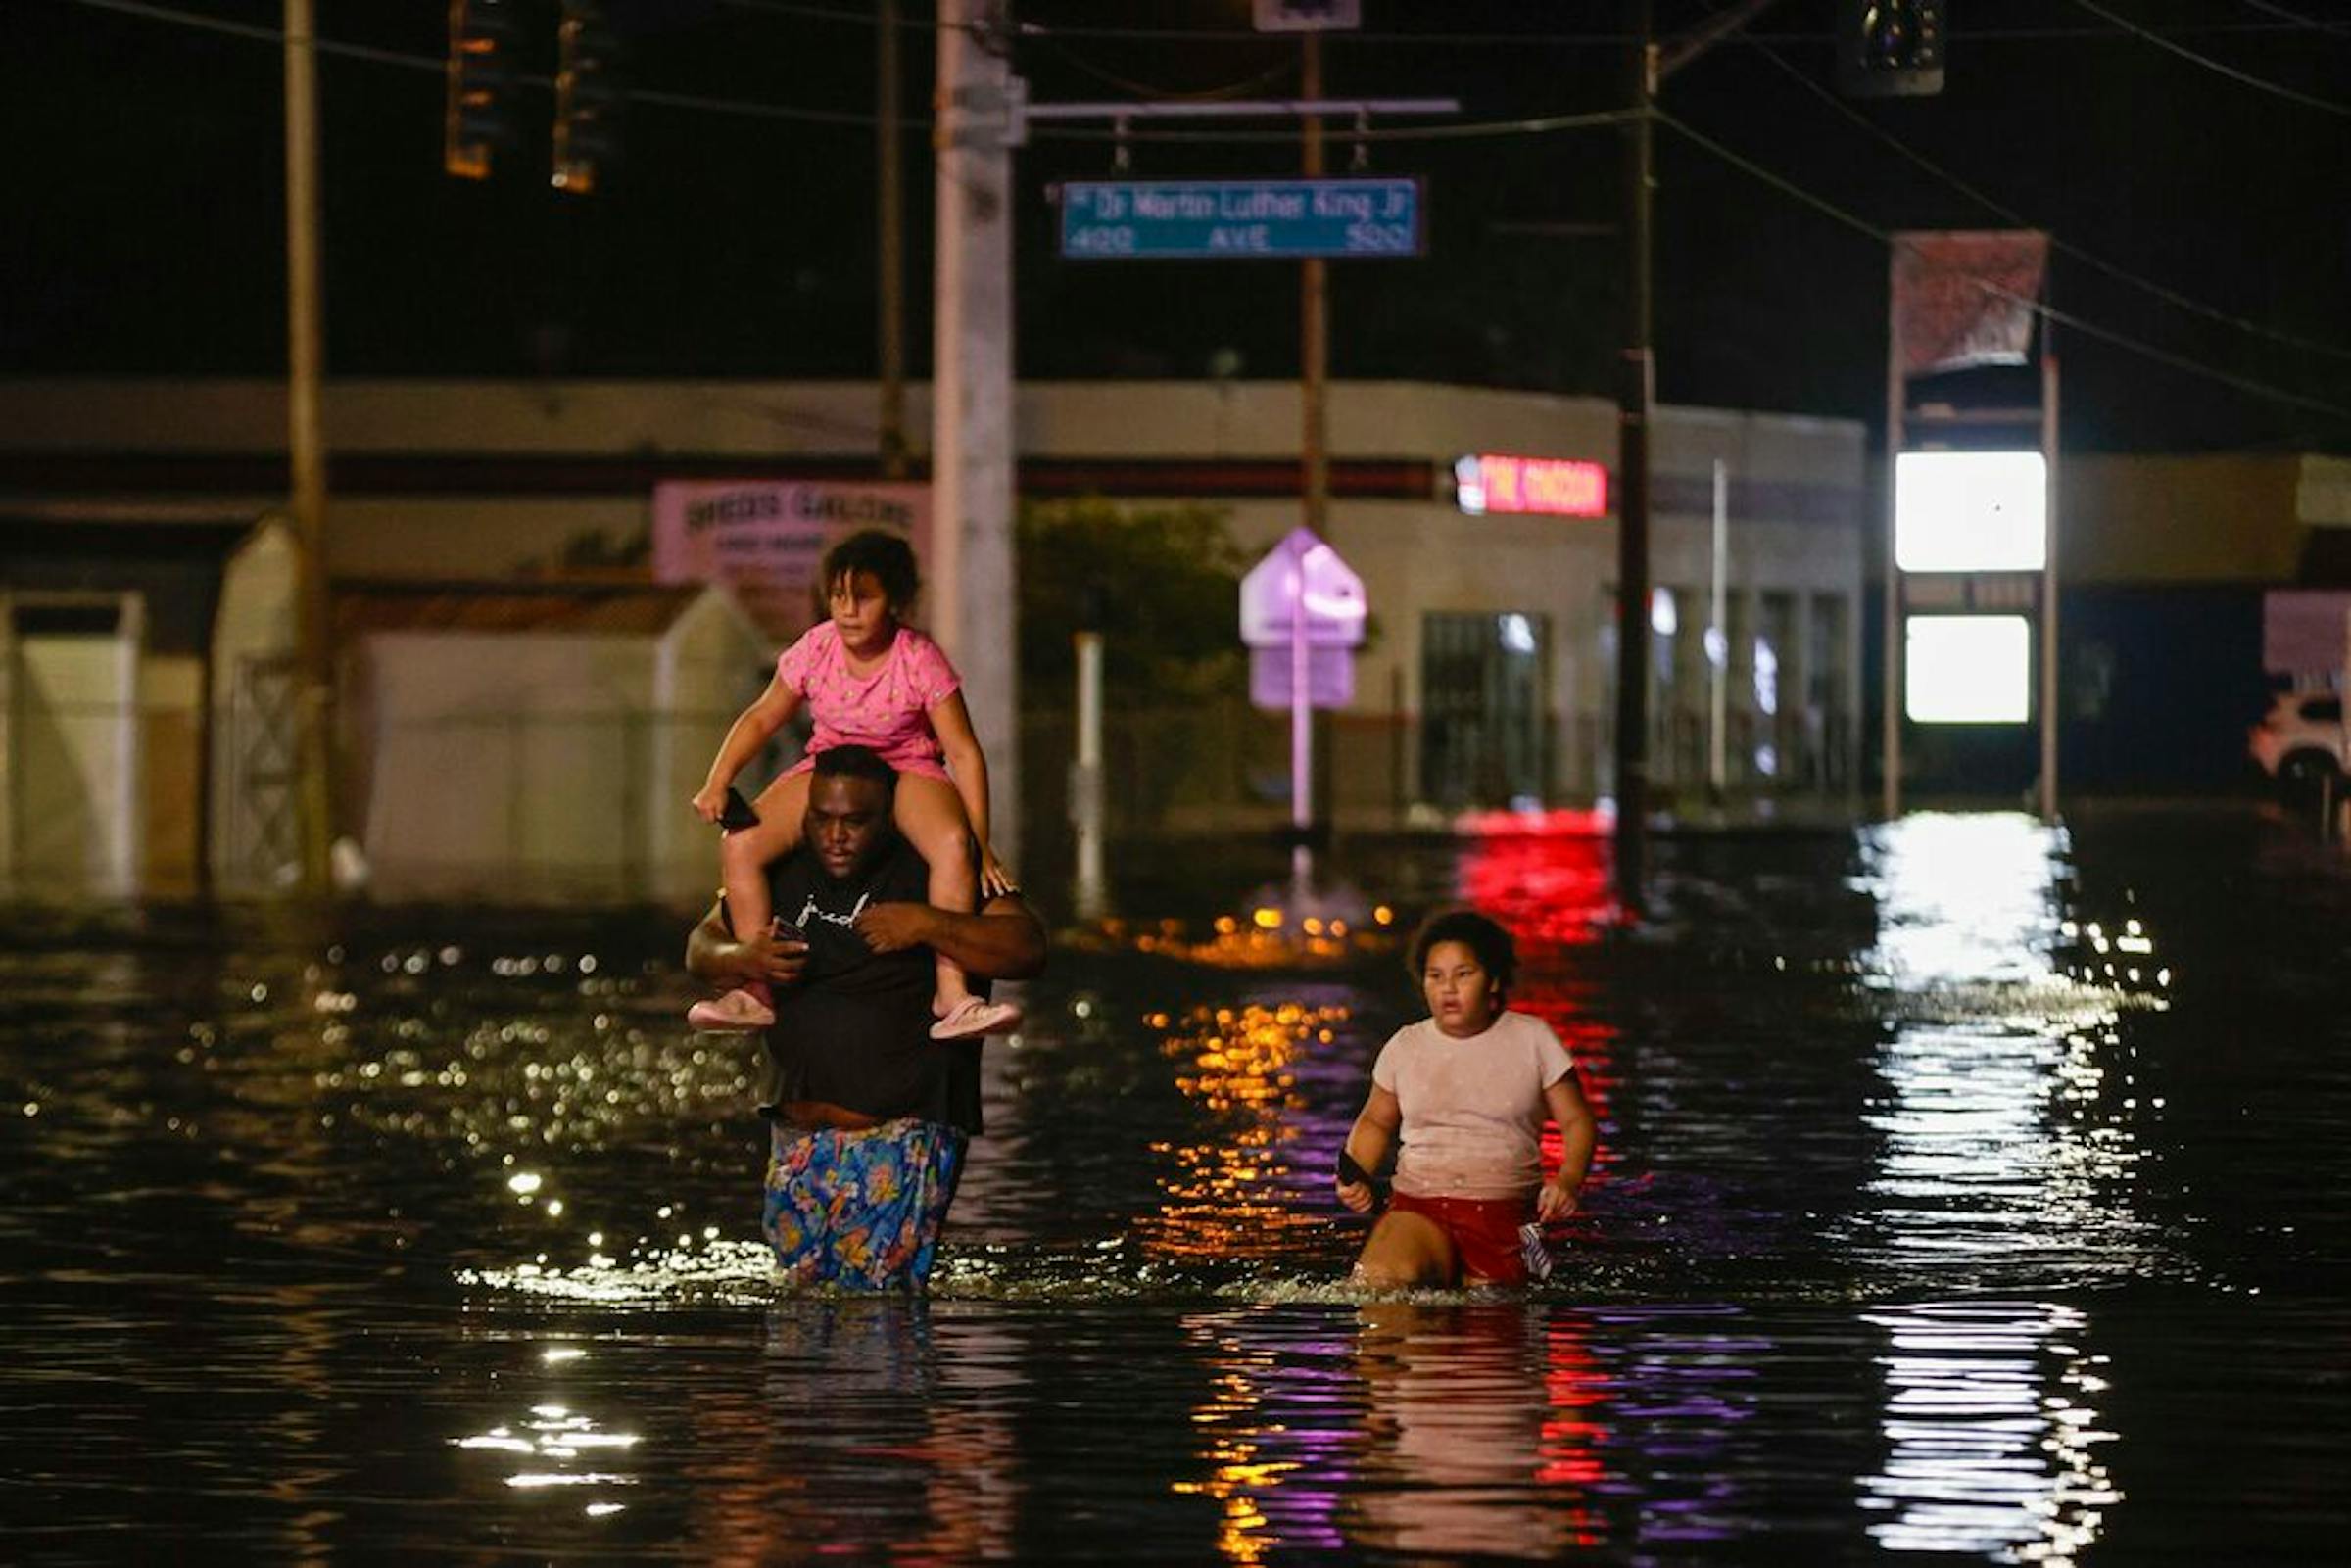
(1635, 405)
(972, 607)
(305, 445)
(1314, 319)
(889, 172)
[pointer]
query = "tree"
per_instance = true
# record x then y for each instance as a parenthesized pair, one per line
(1166, 580)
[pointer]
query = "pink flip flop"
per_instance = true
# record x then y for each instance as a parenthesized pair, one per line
(737, 1010)
(971, 1018)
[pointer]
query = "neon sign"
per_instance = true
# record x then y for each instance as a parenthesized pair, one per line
(1551, 487)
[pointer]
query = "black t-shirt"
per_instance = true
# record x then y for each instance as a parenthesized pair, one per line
(855, 1032)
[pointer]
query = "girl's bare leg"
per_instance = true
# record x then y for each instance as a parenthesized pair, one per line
(743, 855)
(1407, 1250)
(930, 813)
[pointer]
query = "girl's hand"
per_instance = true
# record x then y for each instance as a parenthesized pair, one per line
(995, 881)
(1553, 1203)
(709, 801)
(1356, 1196)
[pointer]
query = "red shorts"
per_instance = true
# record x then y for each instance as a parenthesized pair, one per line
(1484, 1232)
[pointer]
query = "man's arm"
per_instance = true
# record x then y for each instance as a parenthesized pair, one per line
(1004, 942)
(715, 954)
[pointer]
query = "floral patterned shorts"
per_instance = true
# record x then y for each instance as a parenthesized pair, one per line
(860, 1209)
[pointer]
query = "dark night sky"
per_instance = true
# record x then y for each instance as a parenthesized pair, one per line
(143, 183)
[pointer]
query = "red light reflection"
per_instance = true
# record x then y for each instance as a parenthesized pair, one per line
(1550, 879)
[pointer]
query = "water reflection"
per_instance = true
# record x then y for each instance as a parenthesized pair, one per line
(924, 1474)
(553, 1446)
(1483, 1433)
(1233, 1193)
(1399, 1426)
(2005, 1152)
(1992, 1432)
(2003, 1136)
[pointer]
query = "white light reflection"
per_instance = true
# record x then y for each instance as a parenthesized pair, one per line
(2005, 1159)
(2002, 1144)
(546, 1445)
(1992, 1433)
(1965, 899)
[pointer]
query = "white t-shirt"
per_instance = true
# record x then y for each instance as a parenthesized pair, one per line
(1473, 1108)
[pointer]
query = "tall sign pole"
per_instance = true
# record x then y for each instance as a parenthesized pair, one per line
(1889, 657)
(890, 273)
(1636, 398)
(1313, 322)
(306, 444)
(972, 607)
(2048, 575)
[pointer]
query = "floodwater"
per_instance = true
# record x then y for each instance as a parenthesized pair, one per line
(1970, 1192)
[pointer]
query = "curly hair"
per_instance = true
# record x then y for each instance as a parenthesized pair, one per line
(886, 555)
(1483, 936)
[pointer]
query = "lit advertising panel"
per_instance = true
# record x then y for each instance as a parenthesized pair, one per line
(1549, 486)
(1967, 669)
(1971, 511)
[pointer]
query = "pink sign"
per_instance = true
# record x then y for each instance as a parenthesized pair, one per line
(1303, 577)
(1548, 486)
(766, 538)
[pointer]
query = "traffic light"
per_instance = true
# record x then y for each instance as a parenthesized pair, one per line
(481, 85)
(588, 97)
(1889, 48)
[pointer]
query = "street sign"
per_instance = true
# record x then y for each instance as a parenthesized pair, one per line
(1329, 678)
(1302, 585)
(1307, 16)
(1216, 219)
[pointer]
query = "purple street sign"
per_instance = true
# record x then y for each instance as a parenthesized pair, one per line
(1333, 595)
(1329, 678)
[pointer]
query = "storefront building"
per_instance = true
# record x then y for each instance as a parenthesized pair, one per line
(1491, 583)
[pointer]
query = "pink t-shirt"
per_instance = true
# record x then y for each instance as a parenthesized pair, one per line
(888, 709)
(1473, 1110)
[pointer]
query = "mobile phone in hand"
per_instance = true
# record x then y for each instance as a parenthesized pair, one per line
(736, 814)
(1351, 1170)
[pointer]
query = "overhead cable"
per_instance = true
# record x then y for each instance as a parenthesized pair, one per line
(2246, 77)
(2168, 295)
(435, 63)
(1110, 33)
(2041, 307)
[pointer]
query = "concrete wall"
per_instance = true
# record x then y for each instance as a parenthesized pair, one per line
(545, 768)
(2215, 518)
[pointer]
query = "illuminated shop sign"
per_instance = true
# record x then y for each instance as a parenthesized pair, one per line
(1971, 511)
(1551, 487)
(1967, 669)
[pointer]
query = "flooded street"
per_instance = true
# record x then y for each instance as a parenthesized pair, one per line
(1968, 1191)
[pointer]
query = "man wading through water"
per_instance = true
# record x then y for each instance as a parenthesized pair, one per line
(870, 1116)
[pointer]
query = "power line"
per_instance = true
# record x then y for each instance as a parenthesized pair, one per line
(203, 22)
(2314, 23)
(2246, 77)
(2159, 290)
(1144, 89)
(1539, 125)
(1885, 236)
(1528, 126)
(1375, 35)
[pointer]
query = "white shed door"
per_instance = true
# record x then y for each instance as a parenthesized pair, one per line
(73, 749)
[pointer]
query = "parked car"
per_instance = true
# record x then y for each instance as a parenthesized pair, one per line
(2301, 740)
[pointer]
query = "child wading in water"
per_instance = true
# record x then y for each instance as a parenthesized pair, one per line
(868, 679)
(1469, 1090)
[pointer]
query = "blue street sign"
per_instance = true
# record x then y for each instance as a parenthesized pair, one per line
(1197, 219)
